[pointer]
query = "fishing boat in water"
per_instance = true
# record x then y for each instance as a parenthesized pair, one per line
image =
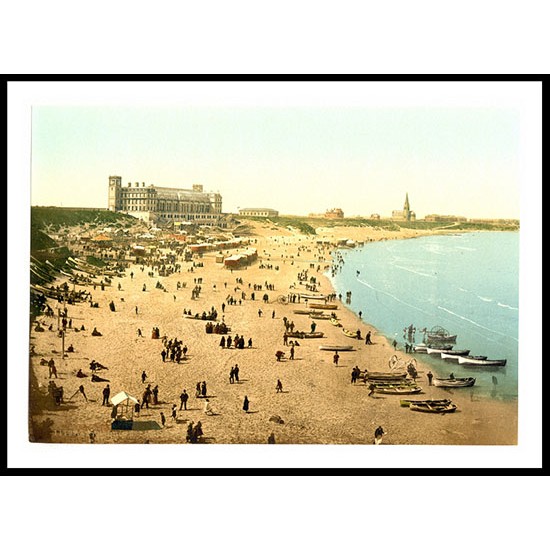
(452, 355)
(423, 348)
(473, 362)
(438, 335)
(454, 382)
(440, 351)
(430, 405)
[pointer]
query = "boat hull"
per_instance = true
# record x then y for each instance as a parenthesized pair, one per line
(454, 382)
(336, 348)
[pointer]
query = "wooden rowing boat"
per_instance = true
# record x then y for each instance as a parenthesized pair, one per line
(301, 334)
(454, 382)
(323, 306)
(440, 406)
(335, 322)
(383, 376)
(397, 389)
(349, 333)
(440, 351)
(473, 362)
(448, 356)
(301, 312)
(320, 316)
(336, 348)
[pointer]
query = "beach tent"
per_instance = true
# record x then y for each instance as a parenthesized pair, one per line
(124, 404)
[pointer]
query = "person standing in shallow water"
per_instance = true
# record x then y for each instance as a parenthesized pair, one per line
(246, 404)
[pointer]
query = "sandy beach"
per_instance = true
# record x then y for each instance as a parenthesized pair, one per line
(318, 404)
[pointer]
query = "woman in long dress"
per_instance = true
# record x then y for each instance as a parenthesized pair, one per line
(246, 404)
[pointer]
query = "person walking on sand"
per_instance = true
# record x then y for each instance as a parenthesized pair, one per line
(106, 393)
(232, 375)
(189, 436)
(183, 400)
(429, 376)
(279, 387)
(162, 419)
(371, 389)
(163, 355)
(367, 338)
(335, 359)
(378, 434)
(174, 413)
(236, 373)
(246, 404)
(292, 351)
(143, 377)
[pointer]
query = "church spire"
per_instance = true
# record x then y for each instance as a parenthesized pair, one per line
(407, 206)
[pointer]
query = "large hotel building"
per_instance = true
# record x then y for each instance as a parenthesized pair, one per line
(165, 204)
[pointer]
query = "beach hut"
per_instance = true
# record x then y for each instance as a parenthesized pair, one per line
(123, 411)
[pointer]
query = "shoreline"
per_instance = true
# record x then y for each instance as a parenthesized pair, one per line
(318, 405)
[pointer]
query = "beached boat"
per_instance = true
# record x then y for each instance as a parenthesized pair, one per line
(397, 389)
(321, 316)
(474, 362)
(349, 333)
(383, 376)
(301, 312)
(430, 405)
(301, 334)
(335, 322)
(336, 348)
(439, 351)
(323, 306)
(312, 296)
(454, 382)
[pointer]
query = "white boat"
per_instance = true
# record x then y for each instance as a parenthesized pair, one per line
(452, 355)
(472, 362)
(438, 351)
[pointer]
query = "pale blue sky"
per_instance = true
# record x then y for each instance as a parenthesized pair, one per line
(297, 160)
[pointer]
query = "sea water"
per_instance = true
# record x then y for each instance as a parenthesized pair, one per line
(467, 284)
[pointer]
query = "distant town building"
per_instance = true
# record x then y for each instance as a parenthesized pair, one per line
(334, 213)
(444, 218)
(259, 212)
(406, 214)
(160, 204)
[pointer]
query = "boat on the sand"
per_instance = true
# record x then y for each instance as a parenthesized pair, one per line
(397, 389)
(323, 306)
(301, 312)
(349, 333)
(452, 356)
(301, 334)
(329, 347)
(454, 382)
(430, 405)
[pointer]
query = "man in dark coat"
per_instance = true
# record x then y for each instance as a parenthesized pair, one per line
(246, 404)
(183, 400)
(106, 393)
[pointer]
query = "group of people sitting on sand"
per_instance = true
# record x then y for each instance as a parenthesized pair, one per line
(218, 328)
